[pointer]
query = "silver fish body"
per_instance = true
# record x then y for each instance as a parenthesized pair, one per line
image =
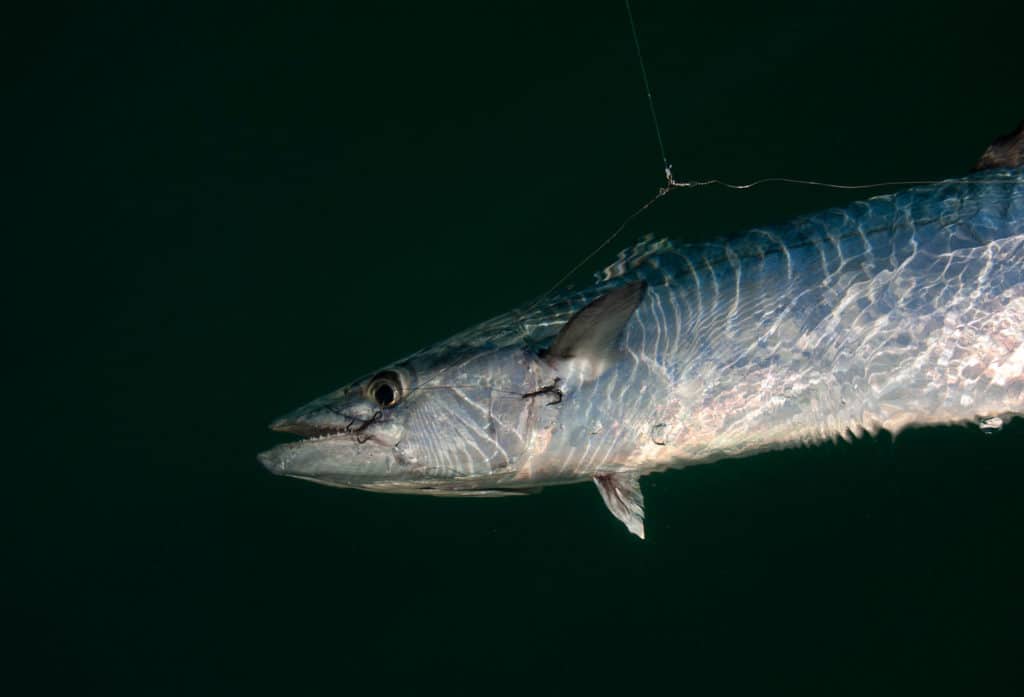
(904, 309)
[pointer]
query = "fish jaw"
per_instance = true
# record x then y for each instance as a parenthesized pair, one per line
(344, 440)
(339, 449)
(340, 461)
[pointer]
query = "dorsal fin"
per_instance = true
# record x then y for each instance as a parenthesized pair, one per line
(632, 258)
(1005, 151)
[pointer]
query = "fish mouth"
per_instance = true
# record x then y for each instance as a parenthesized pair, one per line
(351, 458)
(320, 424)
(343, 451)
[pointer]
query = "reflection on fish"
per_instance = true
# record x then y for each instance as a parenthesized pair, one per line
(900, 310)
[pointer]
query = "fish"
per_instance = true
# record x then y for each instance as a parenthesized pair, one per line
(900, 310)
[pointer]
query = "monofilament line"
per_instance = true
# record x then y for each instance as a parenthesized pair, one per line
(598, 248)
(671, 184)
(650, 97)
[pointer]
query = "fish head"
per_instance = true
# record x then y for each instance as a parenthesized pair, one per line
(448, 421)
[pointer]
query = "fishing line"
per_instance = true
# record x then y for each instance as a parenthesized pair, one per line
(598, 248)
(671, 184)
(650, 96)
(670, 181)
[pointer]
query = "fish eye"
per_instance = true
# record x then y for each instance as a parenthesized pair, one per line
(385, 389)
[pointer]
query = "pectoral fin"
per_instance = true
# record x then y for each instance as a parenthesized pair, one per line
(589, 340)
(622, 495)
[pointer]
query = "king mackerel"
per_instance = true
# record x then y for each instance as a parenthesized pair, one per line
(899, 310)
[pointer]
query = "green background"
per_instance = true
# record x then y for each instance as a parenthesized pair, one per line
(220, 211)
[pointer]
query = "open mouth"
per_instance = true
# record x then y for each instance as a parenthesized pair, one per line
(337, 447)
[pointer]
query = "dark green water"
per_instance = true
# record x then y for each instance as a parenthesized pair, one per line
(221, 211)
